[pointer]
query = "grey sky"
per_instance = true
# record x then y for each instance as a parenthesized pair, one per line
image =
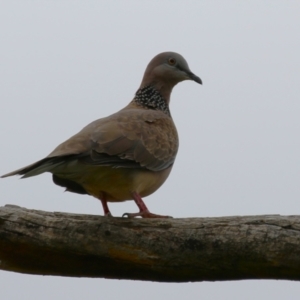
(66, 63)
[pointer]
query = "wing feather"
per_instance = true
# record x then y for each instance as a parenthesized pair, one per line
(130, 138)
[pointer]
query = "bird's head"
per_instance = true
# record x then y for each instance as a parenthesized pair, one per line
(166, 70)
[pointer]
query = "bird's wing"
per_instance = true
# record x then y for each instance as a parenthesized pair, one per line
(131, 138)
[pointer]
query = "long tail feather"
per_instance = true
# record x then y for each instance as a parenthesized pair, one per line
(41, 166)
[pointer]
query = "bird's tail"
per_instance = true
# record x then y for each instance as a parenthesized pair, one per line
(44, 165)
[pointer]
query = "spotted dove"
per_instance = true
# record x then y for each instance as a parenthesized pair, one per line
(129, 154)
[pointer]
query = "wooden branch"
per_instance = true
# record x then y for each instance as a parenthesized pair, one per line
(171, 250)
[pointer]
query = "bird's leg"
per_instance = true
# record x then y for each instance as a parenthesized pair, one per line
(105, 206)
(144, 211)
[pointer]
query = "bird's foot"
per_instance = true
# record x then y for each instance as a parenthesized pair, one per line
(144, 211)
(109, 215)
(106, 210)
(144, 214)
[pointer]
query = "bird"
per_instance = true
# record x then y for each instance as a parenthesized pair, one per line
(129, 154)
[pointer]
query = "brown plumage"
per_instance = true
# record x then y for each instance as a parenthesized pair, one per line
(129, 154)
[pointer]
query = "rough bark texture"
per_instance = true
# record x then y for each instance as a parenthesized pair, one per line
(172, 250)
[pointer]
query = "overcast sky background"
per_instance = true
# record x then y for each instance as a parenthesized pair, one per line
(64, 64)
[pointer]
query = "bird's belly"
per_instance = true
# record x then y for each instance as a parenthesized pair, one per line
(115, 184)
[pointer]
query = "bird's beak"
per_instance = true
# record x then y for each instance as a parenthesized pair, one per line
(192, 76)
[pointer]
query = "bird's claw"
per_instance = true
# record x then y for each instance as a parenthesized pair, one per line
(128, 215)
(144, 214)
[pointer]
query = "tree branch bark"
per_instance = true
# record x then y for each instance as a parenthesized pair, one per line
(166, 250)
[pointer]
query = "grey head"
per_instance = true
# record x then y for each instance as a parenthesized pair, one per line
(165, 70)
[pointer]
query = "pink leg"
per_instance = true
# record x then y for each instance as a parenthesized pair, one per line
(144, 211)
(105, 207)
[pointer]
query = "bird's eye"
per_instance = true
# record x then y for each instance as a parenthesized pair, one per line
(172, 61)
